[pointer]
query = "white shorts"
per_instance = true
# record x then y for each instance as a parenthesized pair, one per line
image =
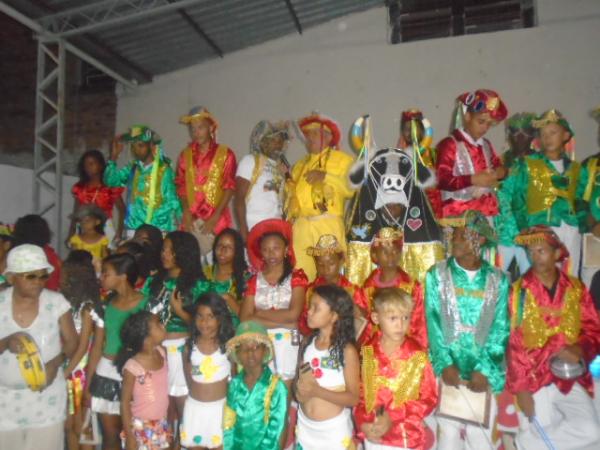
(202, 423)
(286, 355)
(100, 403)
(177, 384)
(331, 434)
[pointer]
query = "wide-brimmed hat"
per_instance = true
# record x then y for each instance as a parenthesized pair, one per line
(250, 331)
(89, 210)
(141, 133)
(265, 129)
(326, 245)
(484, 101)
(266, 227)
(542, 233)
(27, 258)
(474, 220)
(199, 113)
(316, 120)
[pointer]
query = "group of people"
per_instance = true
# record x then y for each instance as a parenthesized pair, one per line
(456, 277)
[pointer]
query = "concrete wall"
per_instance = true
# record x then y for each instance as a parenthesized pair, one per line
(347, 68)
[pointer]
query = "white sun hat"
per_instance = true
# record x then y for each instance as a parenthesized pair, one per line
(27, 258)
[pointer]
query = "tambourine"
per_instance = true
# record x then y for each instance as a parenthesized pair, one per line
(30, 362)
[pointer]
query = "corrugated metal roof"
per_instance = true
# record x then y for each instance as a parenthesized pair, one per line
(206, 29)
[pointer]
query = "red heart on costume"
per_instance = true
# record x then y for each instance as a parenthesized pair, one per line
(414, 224)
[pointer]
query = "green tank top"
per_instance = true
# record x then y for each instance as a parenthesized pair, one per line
(113, 322)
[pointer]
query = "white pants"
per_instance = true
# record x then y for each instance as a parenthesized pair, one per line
(569, 421)
(571, 237)
(518, 253)
(50, 437)
(455, 435)
(202, 423)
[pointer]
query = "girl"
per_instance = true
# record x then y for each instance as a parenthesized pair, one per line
(207, 371)
(119, 273)
(79, 285)
(143, 257)
(144, 397)
(275, 295)
(91, 233)
(91, 190)
(328, 381)
(150, 236)
(229, 271)
(178, 283)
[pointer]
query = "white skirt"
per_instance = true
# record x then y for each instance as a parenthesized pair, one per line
(202, 423)
(331, 434)
(286, 355)
(177, 384)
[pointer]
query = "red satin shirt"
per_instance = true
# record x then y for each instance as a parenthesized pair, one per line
(103, 197)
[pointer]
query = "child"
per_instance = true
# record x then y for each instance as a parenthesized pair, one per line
(552, 317)
(207, 371)
(143, 259)
(119, 273)
(144, 398)
(151, 196)
(256, 410)
(329, 260)
(328, 379)
(91, 236)
(467, 322)
(205, 179)
(80, 286)
(398, 385)
(229, 272)
(91, 190)
(545, 188)
(386, 250)
(467, 166)
(177, 284)
(152, 237)
(275, 295)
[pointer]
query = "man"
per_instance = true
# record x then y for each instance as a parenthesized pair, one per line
(205, 179)
(317, 189)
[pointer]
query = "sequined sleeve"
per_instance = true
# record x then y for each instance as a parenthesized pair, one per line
(438, 349)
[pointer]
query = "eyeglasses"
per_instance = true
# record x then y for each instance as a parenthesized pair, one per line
(35, 276)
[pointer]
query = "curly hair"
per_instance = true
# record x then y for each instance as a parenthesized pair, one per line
(134, 332)
(341, 303)
(287, 263)
(217, 305)
(141, 253)
(32, 229)
(79, 283)
(187, 259)
(95, 154)
(154, 243)
(123, 264)
(240, 267)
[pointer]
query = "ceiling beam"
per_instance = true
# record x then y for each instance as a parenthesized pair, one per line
(294, 15)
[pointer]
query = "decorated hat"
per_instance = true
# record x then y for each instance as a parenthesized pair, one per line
(542, 233)
(141, 133)
(520, 121)
(6, 230)
(249, 331)
(268, 226)
(415, 114)
(265, 129)
(27, 258)
(316, 120)
(199, 113)
(484, 101)
(326, 245)
(388, 236)
(552, 116)
(474, 220)
(411, 114)
(89, 209)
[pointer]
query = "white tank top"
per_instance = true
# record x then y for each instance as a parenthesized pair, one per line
(209, 368)
(328, 372)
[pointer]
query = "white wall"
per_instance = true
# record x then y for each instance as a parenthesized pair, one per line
(346, 68)
(16, 186)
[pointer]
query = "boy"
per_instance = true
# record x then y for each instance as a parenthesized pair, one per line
(398, 385)
(329, 260)
(467, 166)
(151, 196)
(544, 188)
(256, 410)
(467, 322)
(205, 179)
(386, 250)
(552, 318)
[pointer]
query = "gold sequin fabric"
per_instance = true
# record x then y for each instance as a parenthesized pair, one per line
(417, 258)
(358, 262)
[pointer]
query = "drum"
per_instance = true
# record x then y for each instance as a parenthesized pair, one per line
(30, 363)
